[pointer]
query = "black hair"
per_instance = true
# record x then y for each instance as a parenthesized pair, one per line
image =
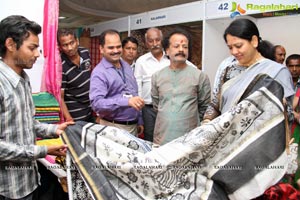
(18, 28)
(104, 33)
(292, 57)
(129, 39)
(177, 30)
(245, 29)
(64, 32)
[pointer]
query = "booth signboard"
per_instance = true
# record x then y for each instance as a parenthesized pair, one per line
(166, 16)
(221, 9)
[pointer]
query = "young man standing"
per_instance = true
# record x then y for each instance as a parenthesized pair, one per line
(76, 74)
(19, 176)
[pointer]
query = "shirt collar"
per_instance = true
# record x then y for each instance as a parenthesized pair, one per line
(108, 64)
(11, 75)
(66, 58)
(164, 56)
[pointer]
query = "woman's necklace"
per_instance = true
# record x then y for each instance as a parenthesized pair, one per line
(258, 57)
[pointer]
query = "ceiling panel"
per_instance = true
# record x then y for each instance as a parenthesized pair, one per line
(80, 13)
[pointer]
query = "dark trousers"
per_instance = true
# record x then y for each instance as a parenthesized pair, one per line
(50, 188)
(149, 116)
(32, 196)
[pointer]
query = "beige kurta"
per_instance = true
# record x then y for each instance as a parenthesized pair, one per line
(180, 98)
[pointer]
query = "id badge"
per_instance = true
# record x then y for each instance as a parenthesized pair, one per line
(127, 95)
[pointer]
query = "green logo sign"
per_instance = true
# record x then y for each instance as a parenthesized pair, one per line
(236, 10)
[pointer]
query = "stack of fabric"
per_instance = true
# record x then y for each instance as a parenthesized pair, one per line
(47, 108)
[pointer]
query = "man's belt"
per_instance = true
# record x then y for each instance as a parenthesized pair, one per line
(122, 122)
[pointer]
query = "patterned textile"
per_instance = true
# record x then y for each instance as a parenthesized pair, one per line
(293, 159)
(79, 189)
(234, 80)
(44, 99)
(236, 156)
(46, 113)
(92, 176)
(46, 107)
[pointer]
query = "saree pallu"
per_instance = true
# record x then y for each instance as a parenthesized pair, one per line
(235, 80)
(294, 159)
(236, 156)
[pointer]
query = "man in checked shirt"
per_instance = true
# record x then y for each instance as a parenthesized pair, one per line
(19, 49)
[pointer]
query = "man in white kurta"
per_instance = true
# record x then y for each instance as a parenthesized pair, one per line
(180, 92)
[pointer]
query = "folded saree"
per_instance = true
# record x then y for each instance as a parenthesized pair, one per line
(236, 156)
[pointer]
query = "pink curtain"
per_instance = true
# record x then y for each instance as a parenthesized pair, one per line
(51, 80)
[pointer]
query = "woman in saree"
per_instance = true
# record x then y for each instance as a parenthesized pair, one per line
(251, 54)
(237, 155)
(293, 176)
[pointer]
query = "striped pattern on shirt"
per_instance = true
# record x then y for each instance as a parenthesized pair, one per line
(18, 130)
(76, 85)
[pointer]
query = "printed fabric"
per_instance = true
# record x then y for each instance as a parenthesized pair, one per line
(238, 155)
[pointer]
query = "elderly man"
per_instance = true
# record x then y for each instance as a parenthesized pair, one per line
(279, 53)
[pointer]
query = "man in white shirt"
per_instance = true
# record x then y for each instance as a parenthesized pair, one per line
(145, 66)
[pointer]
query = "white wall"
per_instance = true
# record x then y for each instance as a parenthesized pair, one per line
(214, 48)
(283, 30)
(33, 10)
